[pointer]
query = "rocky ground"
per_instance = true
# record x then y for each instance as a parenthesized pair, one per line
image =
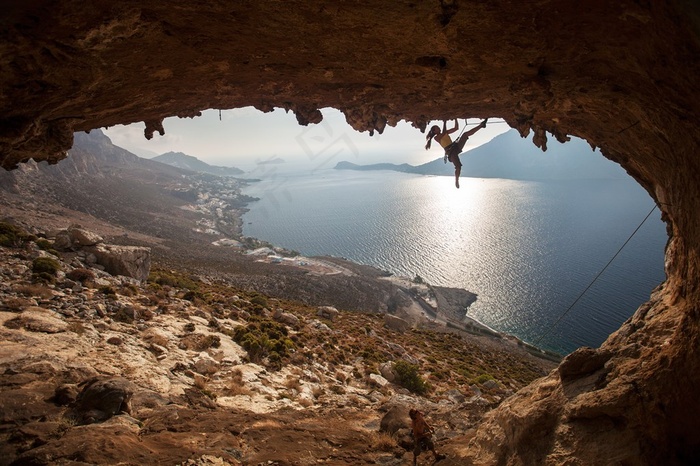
(188, 369)
(219, 357)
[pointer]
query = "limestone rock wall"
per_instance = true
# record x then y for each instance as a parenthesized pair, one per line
(623, 75)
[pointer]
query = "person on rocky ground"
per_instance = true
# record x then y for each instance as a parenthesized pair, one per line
(452, 149)
(422, 436)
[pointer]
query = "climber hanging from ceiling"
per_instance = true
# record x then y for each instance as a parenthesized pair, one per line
(452, 149)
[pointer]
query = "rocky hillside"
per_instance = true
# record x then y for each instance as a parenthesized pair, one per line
(187, 369)
(188, 162)
(190, 220)
(115, 186)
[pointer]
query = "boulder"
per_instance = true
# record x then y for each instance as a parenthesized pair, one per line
(396, 323)
(582, 362)
(286, 318)
(490, 384)
(378, 380)
(81, 237)
(387, 371)
(103, 398)
(206, 365)
(328, 312)
(130, 261)
(38, 319)
(75, 237)
(455, 396)
(318, 325)
(394, 420)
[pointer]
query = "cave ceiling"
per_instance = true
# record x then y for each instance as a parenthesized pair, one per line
(592, 69)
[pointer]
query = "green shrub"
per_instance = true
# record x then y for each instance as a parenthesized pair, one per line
(265, 339)
(193, 296)
(483, 378)
(260, 300)
(11, 236)
(45, 265)
(409, 378)
(172, 279)
(44, 244)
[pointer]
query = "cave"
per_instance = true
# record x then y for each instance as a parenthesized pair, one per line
(621, 75)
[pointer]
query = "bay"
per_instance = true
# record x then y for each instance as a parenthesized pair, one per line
(527, 249)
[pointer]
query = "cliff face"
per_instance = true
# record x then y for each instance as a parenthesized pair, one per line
(622, 75)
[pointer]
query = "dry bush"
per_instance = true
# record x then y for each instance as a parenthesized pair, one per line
(128, 290)
(299, 358)
(234, 389)
(385, 390)
(15, 304)
(201, 381)
(35, 291)
(306, 403)
(199, 342)
(318, 391)
(237, 376)
(293, 383)
(236, 386)
(338, 389)
(81, 275)
(382, 441)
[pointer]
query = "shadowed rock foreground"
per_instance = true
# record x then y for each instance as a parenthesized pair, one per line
(102, 369)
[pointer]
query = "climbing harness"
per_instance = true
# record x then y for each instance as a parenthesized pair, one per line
(551, 327)
(445, 158)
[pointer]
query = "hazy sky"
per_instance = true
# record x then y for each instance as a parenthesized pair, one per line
(247, 136)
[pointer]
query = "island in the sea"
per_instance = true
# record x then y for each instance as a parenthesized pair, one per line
(505, 156)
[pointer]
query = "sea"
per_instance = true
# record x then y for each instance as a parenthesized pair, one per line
(532, 251)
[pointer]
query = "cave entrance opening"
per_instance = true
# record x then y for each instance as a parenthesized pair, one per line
(500, 210)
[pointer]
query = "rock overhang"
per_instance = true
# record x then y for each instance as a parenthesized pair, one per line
(622, 75)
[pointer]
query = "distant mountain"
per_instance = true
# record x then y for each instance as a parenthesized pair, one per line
(113, 185)
(510, 156)
(272, 161)
(404, 167)
(188, 162)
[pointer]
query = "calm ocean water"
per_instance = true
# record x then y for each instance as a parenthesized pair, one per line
(527, 249)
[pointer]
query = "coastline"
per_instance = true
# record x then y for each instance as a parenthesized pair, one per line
(424, 305)
(223, 231)
(435, 304)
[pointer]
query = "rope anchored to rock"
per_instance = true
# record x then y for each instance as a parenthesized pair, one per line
(551, 327)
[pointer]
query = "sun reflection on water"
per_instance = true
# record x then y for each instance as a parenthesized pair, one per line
(525, 248)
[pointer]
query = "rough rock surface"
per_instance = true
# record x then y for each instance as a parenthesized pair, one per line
(622, 75)
(78, 385)
(130, 261)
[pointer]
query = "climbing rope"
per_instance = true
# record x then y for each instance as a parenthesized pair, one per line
(476, 124)
(551, 327)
